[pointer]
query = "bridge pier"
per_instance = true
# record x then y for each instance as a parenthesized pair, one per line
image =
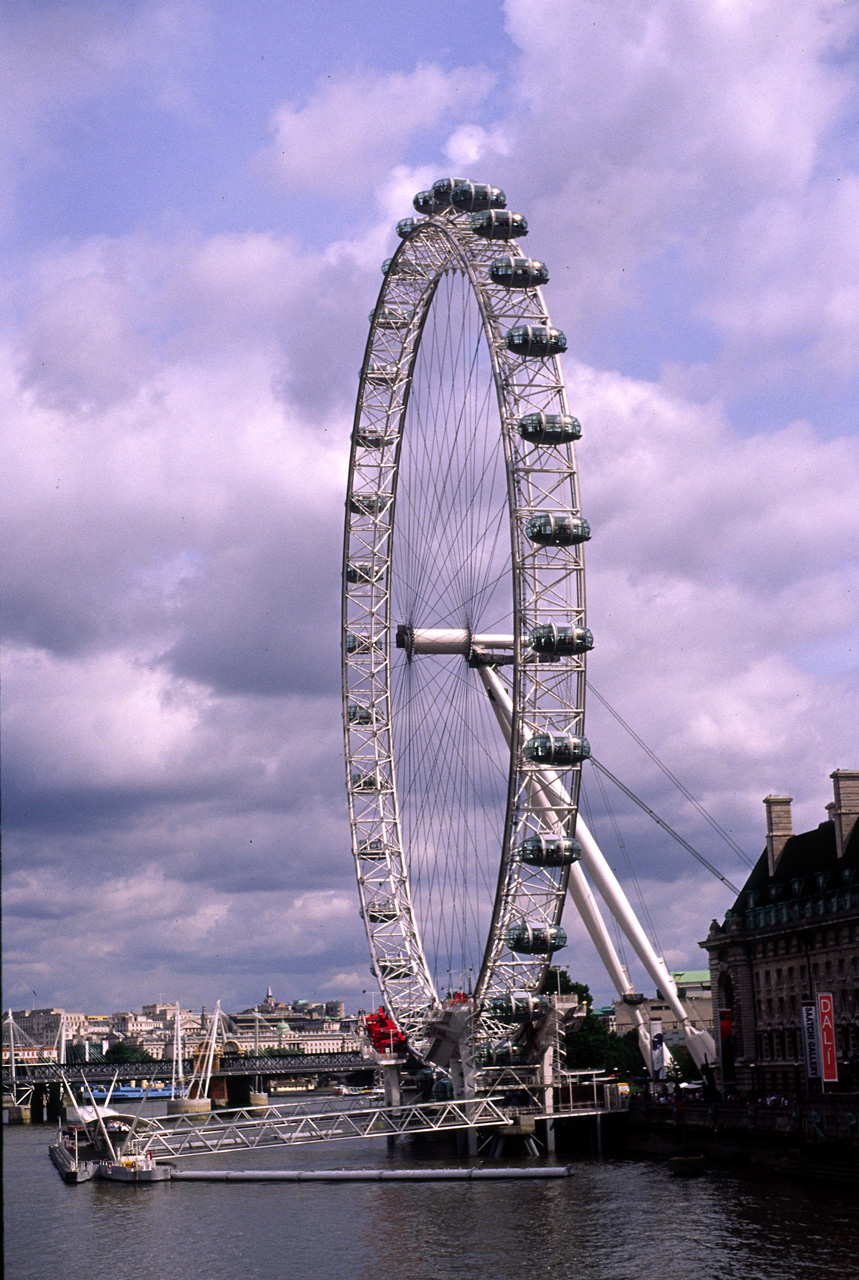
(188, 1106)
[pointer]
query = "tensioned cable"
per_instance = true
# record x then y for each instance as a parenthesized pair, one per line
(672, 777)
(619, 936)
(445, 562)
(628, 863)
(662, 823)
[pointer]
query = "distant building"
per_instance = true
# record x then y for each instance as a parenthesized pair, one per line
(792, 935)
(693, 988)
(607, 1016)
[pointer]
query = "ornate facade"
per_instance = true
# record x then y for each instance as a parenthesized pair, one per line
(791, 935)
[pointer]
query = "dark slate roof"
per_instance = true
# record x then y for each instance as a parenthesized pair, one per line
(804, 855)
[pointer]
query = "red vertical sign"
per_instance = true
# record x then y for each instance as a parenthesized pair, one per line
(826, 1018)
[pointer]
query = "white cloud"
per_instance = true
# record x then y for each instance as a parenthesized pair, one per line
(345, 136)
(177, 408)
(59, 58)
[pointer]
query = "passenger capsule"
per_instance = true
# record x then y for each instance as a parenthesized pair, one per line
(561, 641)
(374, 437)
(549, 851)
(396, 968)
(557, 531)
(381, 912)
(442, 1090)
(372, 850)
(499, 224)
(361, 644)
(381, 375)
(549, 428)
(443, 188)
(561, 749)
(404, 267)
(535, 939)
(358, 715)
(363, 574)
(369, 504)
(518, 273)
(501, 1055)
(373, 780)
(518, 1006)
(406, 226)
(472, 197)
(426, 203)
(392, 317)
(535, 340)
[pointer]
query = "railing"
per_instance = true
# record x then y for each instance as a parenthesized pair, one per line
(298, 1124)
(230, 1065)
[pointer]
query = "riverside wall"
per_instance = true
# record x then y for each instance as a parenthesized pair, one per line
(817, 1138)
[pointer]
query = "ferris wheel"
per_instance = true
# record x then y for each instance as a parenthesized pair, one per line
(464, 635)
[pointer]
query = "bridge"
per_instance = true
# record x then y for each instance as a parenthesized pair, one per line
(294, 1124)
(49, 1072)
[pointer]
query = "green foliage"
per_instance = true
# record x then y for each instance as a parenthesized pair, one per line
(121, 1052)
(683, 1067)
(591, 1046)
(557, 982)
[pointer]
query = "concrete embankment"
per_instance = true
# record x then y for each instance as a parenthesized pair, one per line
(817, 1139)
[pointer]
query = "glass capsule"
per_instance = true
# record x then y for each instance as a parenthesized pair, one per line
(404, 267)
(518, 273)
(549, 428)
(443, 188)
(357, 714)
(369, 504)
(381, 375)
(499, 224)
(361, 644)
(364, 574)
(374, 438)
(392, 317)
(549, 851)
(372, 780)
(535, 939)
(561, 641)
(556, 749)
(381, 912)
(557, 530)
(472, 197)
(535, 340)
(426, 203)
(395, 968)
(518, 1007)
(406, 226)
(372, 850)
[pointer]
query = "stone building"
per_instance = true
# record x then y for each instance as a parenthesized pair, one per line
(791, 935)
(693, 988)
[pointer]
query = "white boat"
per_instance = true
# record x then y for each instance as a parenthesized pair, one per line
(91, 1145)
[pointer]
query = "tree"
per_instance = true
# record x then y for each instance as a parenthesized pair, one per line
(121, 1052)
(591, 1046)
(558, 982)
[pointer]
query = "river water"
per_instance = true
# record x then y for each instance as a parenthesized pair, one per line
(614, 1220)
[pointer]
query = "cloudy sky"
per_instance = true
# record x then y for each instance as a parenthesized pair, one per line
(196, 196)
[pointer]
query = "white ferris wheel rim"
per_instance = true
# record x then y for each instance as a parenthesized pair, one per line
(546, 588)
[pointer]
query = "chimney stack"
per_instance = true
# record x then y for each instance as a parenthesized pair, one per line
(779, 828)
(845, 810)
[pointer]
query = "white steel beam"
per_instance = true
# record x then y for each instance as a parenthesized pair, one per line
(699, 1042)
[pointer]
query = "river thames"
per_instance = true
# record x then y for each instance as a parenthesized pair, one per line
(613, 1220)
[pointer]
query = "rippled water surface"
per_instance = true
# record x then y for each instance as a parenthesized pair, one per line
(611, 1221)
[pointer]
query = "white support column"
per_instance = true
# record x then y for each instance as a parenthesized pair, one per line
(700, 1043)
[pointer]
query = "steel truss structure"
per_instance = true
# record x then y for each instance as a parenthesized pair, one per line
(446, 589)
(294, 1125)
